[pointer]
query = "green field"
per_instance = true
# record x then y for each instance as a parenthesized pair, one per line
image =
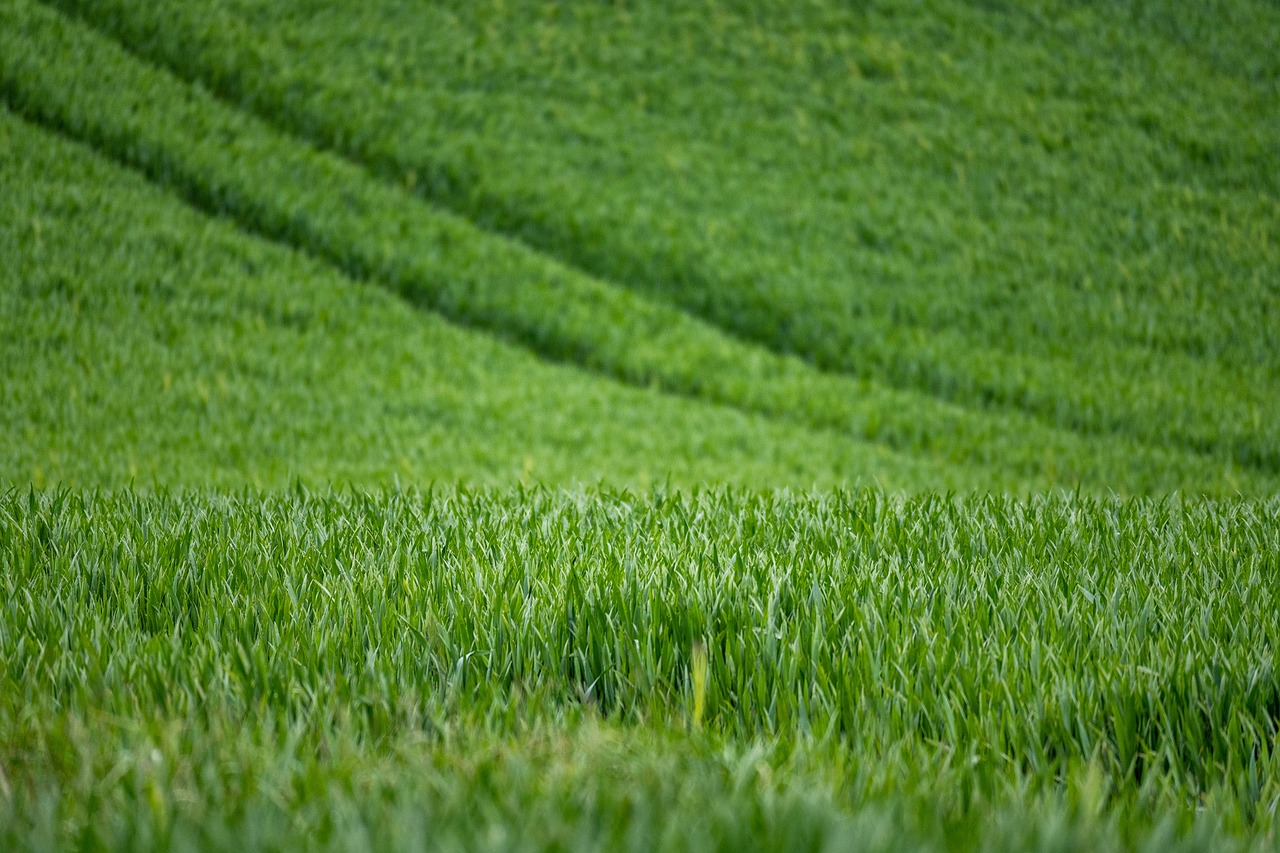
(719, 425)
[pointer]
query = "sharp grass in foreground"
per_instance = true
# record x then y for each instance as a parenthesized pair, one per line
(516, 669)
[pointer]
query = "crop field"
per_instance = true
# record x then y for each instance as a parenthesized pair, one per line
(698, 426)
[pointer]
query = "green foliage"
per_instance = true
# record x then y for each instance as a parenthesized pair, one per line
(360, 671)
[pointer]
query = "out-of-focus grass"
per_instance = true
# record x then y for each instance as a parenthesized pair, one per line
(1068, 209)
(58, 72)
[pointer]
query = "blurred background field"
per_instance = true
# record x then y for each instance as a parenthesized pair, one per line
(1033, 244)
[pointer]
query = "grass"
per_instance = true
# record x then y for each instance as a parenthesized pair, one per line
(277, 187)
(710, 427)
(1062, 209)
(364, 671)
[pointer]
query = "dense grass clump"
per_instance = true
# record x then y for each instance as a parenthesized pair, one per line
(342, 670)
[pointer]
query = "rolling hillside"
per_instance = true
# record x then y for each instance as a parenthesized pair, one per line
(1192, 417)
